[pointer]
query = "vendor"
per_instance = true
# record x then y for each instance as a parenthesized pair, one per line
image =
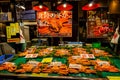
(118, 47)
(22, 42)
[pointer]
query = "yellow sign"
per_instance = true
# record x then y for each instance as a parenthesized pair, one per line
(47, 60)
(41, 74)
(113, 77)
(8, 31)
(17, 28)
(13, 31)
(34, 74)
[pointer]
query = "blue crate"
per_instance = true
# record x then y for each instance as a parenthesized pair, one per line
(5, 57)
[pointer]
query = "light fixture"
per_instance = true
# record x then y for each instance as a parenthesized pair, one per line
(114, 7)
(91, 6)
(40, 7)
(64, 6)
(21, 5)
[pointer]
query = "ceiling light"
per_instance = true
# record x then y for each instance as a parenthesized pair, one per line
(64, 6)
(90, 4)
(40, 7)
(21, 6)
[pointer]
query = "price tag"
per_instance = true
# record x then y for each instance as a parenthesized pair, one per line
(91, 56)
(84, 55)
(47, 60)
(87, 56)
(76, 57)
(76, 66)
(34, 74)
(113, 77)
(31, 55)
(43, 74)
(55, 64)
(103, 63)
(34, 63)
(40, 75)
(50, 48)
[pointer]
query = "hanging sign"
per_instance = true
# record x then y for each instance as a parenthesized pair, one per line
(12, 32)
(54, 24)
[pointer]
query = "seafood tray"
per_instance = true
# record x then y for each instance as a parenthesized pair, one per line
(75, 62)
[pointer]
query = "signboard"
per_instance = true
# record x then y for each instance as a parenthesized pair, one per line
(26, 15)
(97, 24)
(12, 32)
(54, 24)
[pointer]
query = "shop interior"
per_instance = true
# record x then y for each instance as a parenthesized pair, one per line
(28, 26)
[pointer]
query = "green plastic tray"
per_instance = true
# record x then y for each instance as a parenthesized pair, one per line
(84, 75)
(105, 74)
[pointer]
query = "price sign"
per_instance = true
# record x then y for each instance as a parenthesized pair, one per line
(31, 55)
(113, 77)
(55, 64)
(47, 60)
(43, 74)
(91, 56)
(40, 75)
(76, 57)
(103, 63)
(76, 66)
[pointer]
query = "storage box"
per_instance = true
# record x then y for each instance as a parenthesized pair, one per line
(96, 44)
(5, 57)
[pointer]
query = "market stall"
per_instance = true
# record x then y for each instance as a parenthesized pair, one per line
(62, 62)
(59, 39)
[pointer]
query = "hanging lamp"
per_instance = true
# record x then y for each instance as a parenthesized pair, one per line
(91, 6)
(40, 7)
(64, 6)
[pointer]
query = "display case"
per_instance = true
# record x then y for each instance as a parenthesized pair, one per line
(62, 62)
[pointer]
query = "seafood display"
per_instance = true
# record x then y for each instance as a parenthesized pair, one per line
(64, 61)
(45, 52)
(105, 66)
(78, 51)
(98, 52)
(28, 67)
(77, 68)
(28, 51)
(62, 52)
(78, 60)
(11, 67)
